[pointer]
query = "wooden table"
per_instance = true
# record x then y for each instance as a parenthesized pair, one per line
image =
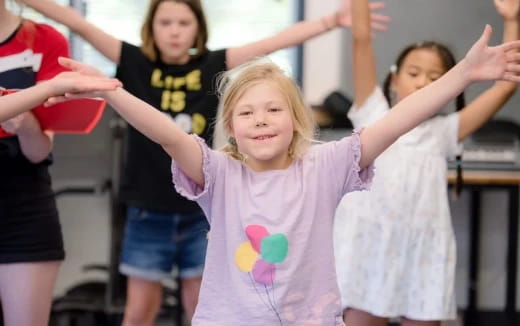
(476, 182)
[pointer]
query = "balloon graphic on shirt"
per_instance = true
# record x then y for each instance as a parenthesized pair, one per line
(274, 248)
(245, 257)
(261, 253)
(256, 233)
(263, 272)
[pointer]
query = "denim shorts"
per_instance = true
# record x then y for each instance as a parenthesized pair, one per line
(155, 242)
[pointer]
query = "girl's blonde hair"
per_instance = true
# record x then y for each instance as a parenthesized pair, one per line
(149, 48)
(234, 83)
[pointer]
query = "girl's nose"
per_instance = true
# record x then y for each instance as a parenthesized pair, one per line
(260, 119)
(421, 82)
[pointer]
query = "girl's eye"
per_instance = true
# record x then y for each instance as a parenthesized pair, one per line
(413, 74)
(184, 23)
(245, 113)
(274, 109)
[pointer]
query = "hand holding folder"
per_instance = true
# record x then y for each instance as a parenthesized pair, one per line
(77, 116)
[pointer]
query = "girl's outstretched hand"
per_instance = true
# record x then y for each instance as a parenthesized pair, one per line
(82, 81)
(378, 21)
(80, 67)
(508, 9)
(501, 62)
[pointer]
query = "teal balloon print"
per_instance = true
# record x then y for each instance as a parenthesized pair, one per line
(274, 248)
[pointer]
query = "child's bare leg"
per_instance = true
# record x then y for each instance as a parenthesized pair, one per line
(26, 290)
(411, 322)
(361, 318)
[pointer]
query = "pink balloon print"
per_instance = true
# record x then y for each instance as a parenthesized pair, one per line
(256, 233)
(263, 272)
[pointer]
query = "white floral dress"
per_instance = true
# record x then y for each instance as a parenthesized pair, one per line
(394, 245)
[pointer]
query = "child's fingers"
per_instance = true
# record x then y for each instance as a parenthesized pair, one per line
(513, 67)
(55, 100)
(79, 67)
(83, 94)
(379, 27)
(510, 46)
(66, 62)
(377, 5)
(380, 18)
(99, 84)
(513, 56)
(512, 78)
(486, 35)
(69, 96)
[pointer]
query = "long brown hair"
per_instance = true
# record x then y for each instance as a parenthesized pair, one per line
(149, 48)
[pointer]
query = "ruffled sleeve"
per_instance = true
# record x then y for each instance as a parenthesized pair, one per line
(186, 186)
(358, 178)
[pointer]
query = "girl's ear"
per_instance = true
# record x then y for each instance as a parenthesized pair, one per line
(229, 130)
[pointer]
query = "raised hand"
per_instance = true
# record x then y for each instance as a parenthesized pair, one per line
(378, 21)
(80, 67)
(508, 9)
(483, 62)
(82, 81)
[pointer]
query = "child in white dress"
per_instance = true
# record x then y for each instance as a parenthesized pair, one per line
(394, 245)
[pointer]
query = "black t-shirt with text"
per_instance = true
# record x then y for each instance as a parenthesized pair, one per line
(184, 93)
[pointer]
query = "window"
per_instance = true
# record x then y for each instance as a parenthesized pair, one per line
(237, 22)
(231, 23)
(16, 8)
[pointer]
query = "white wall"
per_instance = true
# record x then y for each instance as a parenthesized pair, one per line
(322, 55)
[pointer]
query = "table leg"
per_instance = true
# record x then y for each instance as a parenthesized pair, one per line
(474, 239)
(512, 253)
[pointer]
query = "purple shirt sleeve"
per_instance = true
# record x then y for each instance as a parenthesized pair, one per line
(211, 162)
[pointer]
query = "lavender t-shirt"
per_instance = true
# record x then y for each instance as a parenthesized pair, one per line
(270, 257)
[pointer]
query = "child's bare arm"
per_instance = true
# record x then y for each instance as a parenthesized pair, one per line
(301, 32)
(105, 43)
(482, 108)
(364, 66)
(182, 147)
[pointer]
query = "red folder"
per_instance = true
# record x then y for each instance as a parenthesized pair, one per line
(77, 116)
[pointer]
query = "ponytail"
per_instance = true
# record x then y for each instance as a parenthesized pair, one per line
(460, 103)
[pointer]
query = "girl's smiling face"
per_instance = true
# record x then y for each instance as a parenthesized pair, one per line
(262, 125)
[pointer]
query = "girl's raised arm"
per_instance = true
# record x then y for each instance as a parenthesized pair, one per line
(181, 147)
(13, 104)
(364, 66)
(481, 109)
(16, 103)
(301, 32)
(105, 43)
(481, 63)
